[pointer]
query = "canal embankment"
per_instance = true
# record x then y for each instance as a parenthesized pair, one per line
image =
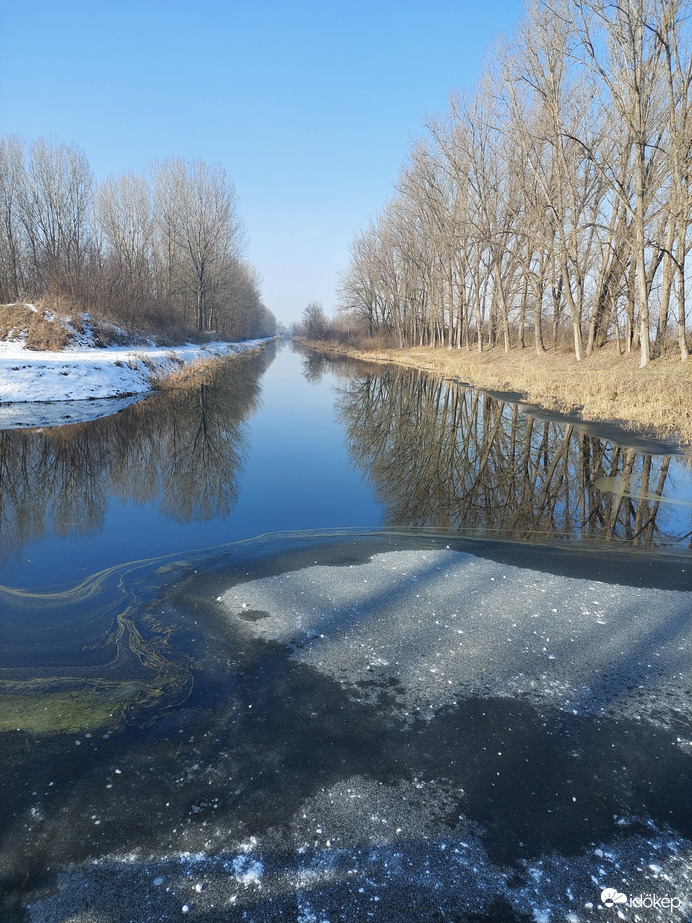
(60, 378)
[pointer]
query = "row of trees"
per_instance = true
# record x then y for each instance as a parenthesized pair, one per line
(556, 196)
(162, 250)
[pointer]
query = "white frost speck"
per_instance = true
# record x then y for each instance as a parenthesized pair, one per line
(248, 871)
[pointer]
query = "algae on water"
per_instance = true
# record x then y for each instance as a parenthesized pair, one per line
(130, 675)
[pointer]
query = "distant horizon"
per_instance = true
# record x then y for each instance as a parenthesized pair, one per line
(310, 106)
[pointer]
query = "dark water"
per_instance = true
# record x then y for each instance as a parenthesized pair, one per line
(124, 691)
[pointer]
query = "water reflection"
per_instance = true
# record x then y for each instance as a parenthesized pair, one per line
(315, 367)
(442, 455)
(181, 450)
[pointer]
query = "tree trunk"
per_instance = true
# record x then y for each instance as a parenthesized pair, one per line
(682, 333)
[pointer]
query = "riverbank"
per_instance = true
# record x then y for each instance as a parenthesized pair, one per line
(77, 378)
(83, 383)
(656, 400)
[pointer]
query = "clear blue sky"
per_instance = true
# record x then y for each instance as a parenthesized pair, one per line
(311, 105)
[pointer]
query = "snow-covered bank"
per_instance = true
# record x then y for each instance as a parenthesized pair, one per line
(36, 380)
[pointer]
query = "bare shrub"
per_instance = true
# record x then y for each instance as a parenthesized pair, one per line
(14, 320)
(48, 336)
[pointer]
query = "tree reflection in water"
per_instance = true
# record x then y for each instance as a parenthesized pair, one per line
(314, 367)
(441, 455)
(183, 450)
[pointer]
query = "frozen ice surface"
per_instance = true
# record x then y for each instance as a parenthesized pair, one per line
(444, 624)
(433, 735)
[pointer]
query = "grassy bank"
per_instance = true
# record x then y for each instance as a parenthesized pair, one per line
(181, 374)
(656, 400)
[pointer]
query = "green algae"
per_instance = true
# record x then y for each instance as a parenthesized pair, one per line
(91, 656)
(59, 712)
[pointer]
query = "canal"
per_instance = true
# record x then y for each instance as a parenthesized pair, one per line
(322, 640)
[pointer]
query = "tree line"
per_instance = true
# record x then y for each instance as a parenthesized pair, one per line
(162, 250)
(554, 200)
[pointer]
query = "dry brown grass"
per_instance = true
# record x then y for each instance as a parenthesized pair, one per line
(45, 330)
(197, 372)
(105, 334)
(41, 333)
(191, 373)
(605, 386)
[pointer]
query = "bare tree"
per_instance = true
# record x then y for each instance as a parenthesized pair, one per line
(561, 185)
(677, 69)
(315, 320)
(198, 209)
(161, 249)
(12, 183)
(56, 216)
(124, 216)
(621, 47)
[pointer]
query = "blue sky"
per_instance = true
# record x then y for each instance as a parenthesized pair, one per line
(311, 105)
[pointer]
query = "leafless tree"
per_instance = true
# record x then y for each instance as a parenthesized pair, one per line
(560, 187)
(315, 320)
(156, 250)
(56, 217)
(12, 183)
(124, 217)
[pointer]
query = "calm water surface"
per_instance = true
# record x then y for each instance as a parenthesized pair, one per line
(122, 674)
(283, 441)
(257, 450)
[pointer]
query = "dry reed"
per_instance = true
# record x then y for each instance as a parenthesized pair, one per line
(198, 372)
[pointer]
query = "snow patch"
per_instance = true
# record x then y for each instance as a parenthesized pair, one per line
(248, 871)
(87, 373)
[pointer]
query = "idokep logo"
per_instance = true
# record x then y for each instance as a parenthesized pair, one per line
(610, 897)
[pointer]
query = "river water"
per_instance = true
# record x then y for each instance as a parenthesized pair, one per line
(263, 638)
